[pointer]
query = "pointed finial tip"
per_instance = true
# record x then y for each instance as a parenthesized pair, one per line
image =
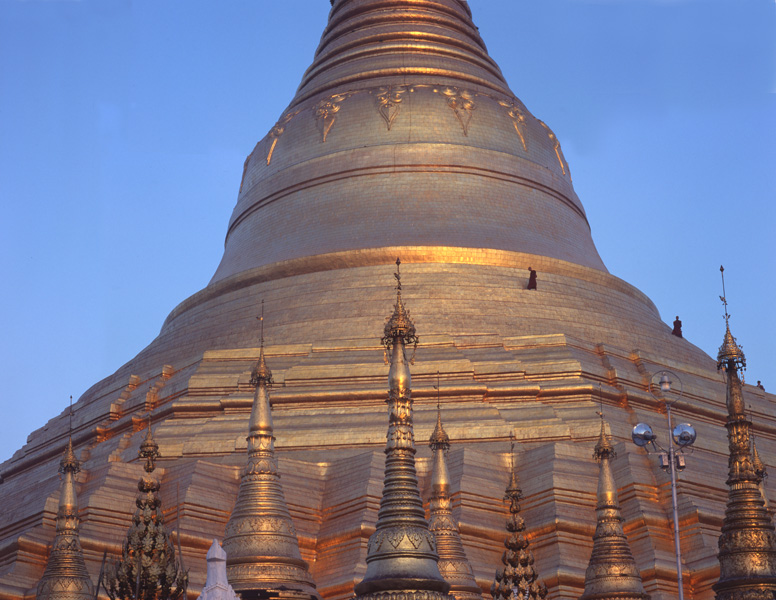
(604, 448)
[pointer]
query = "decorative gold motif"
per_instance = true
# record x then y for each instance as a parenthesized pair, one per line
(612, 573)
(453, 564)
(401, 557)
(747, 545)
(389, 100)
(518, 118)
(66, 577)
(326, 111)
(278, 130)
(147, 568)
(518, 577)
(461, 102)
(556, 147)
(260, 541)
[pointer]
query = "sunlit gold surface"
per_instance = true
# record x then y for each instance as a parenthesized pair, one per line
(66, 577)
(612, 573)
(262, 551)
(428, 156)
(747, 546)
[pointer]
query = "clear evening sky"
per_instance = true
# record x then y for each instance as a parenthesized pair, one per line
(124, 125)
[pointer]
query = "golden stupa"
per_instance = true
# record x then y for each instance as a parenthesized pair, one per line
(403, 139)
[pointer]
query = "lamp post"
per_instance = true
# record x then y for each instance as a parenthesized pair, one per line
(671, 460)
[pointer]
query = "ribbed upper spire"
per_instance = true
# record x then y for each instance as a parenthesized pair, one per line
(747, 545)
(401, 554)
(260, 542)
(612, 573)
(453, 564)
(66, 577)
(372, 42)
(402, 106)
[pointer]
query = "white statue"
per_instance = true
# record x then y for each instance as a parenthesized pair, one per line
(216, 585)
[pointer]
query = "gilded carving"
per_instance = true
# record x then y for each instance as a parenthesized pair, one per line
(325, 113)
(461, 102)
(517, 116)
(389, 100)
(556, 147)
(277, 130)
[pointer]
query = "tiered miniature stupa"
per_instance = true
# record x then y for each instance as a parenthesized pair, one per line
(66, 577)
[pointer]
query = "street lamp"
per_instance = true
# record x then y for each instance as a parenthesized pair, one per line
(670, 460)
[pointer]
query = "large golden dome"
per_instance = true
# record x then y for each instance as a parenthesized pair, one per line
(403, 140)
(404, 125)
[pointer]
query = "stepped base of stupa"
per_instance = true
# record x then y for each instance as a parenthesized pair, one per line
(518, 364)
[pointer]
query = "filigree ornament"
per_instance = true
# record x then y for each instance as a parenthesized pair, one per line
(461, 102)
(556, 147)
(389, 99)
(518, 119)
(278, 130)
(325, 113)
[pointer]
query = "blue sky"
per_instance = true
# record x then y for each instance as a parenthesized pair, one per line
(124, 126)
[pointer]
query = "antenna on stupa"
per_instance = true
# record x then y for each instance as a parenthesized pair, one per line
(723, 296)
(397, 275)
(436, 387)
(70, 417)
(261, 321)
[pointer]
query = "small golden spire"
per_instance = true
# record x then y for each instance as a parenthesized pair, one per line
(612, 573)
(518, 578)
(401, 555)
(147, 567)
(66, 577)
(747, 545)
(453, 565)
(261, 546)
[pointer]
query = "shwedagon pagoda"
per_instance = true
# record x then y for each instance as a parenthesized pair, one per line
(506, 364)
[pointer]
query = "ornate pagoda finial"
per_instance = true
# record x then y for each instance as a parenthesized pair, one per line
(66, 577)
(399, 324)
(261, 371)
(729, 352)
(262, 550)
(518, 578)
(147, 568)
(612, 573)
(401, 559)
(439, 438)
(747, 545)
(453, 565)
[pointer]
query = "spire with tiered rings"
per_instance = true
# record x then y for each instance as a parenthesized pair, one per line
(147, 568)
(401, 555)
(517, 579)
(453, 564)
(612, 573)
(747, 546)
(65, 577)
(262, 550)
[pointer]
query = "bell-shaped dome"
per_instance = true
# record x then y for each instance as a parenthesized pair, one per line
(404, 133)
